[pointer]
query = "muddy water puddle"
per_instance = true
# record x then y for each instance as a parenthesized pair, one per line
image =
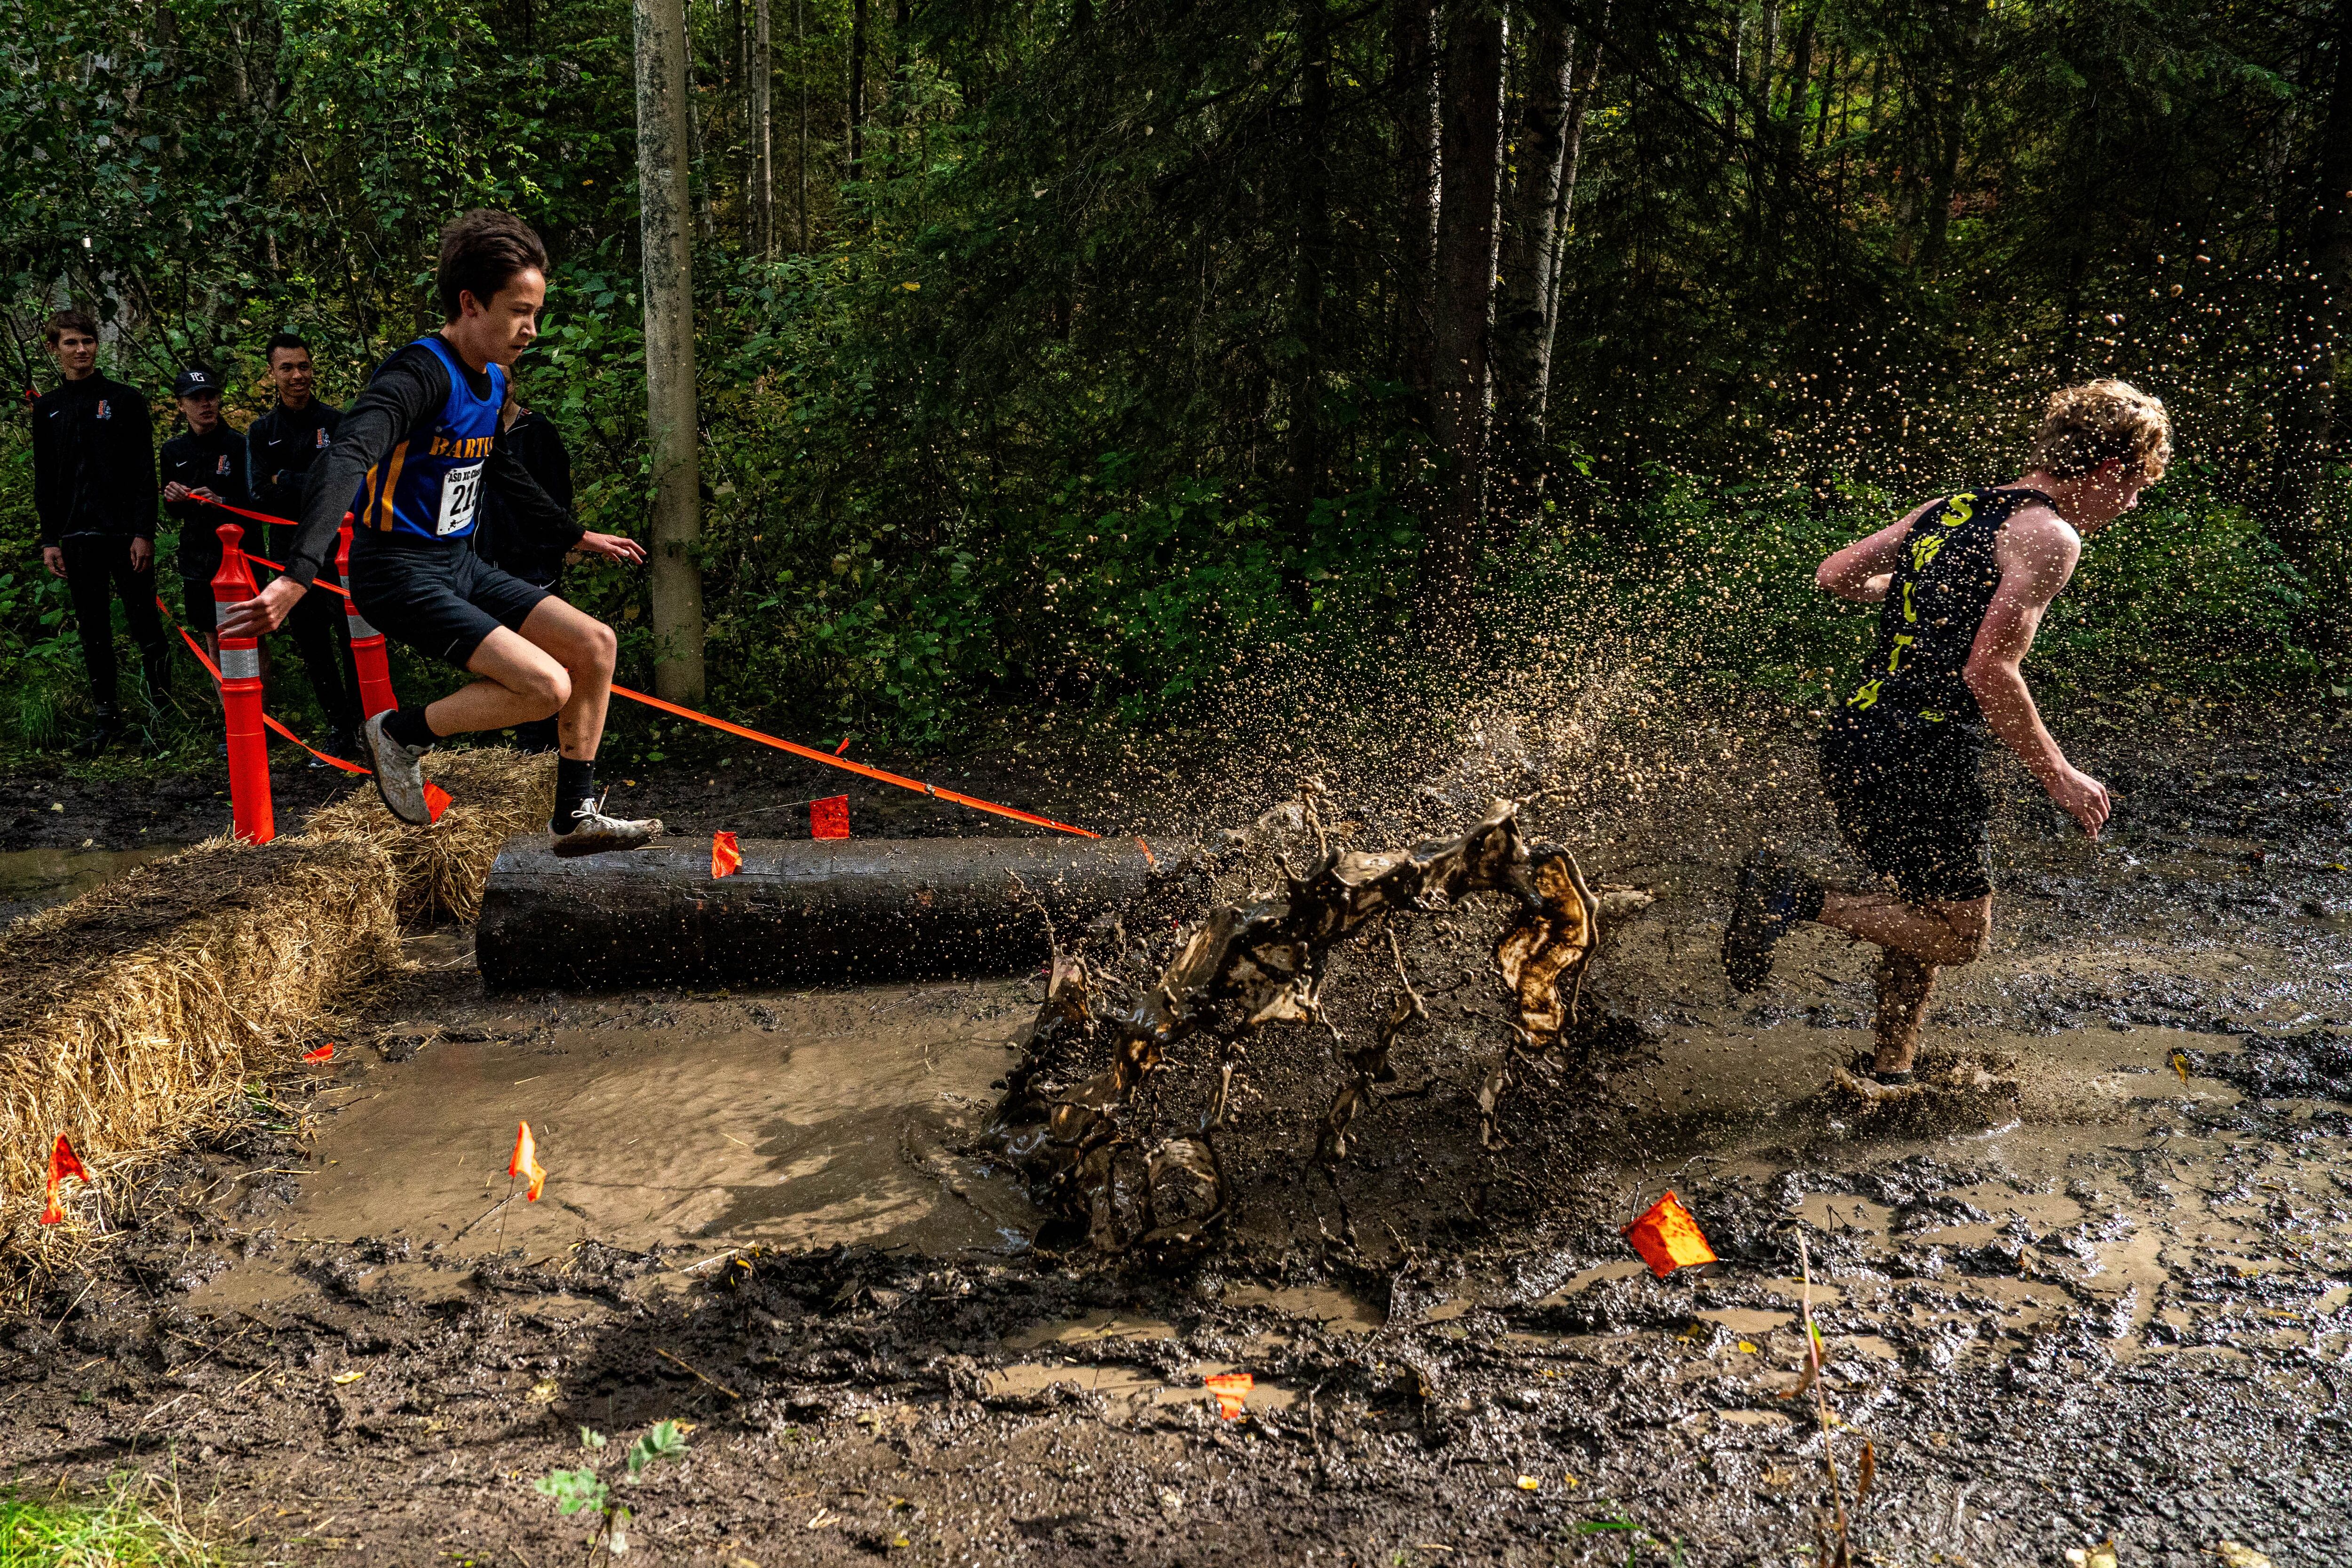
(34, 879)
(789, 1121)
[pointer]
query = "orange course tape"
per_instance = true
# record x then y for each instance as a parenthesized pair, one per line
(900, 780)
(835, 761)
(198, 649)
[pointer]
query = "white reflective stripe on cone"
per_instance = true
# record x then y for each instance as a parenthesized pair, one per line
(240, 664)
(360, 628)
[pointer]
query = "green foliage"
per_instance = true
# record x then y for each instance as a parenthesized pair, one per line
(1091, 386)
(122, 1529)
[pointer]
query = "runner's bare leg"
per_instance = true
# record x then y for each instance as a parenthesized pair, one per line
(561, 663)
(1938, 932)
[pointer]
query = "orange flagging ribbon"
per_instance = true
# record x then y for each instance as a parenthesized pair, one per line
(901, 781)
(1668, 1238)
(63, 1163)
(1231, 1388)
(324, 1053)
(726, 856)
(526, 1160)
(829, 817)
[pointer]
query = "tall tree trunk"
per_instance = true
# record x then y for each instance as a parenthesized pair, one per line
(2306, 416)
(1306, 390)
(1470, 153)
(1411, 24)
(800, 68)
(662, 194)
(1530, 213)
(764, 137)
(1580, 100)
(859, 34)
(1951, 127)
(1792, 125)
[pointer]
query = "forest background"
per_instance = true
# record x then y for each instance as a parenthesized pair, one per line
(1083, 361)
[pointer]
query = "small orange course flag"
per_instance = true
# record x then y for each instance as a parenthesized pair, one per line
(829, 818)
(526, 1160)
(1231, 1388)
(63, 1163)
(324, 1053)
(437, 801)
(726, 855)
(1668, 1238)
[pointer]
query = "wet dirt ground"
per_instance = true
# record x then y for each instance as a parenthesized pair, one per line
(2110, 1299)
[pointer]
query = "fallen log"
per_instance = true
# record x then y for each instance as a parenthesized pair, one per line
(799, 910)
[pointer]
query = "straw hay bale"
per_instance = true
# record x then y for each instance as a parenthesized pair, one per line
(493, 794)
(137, 1011)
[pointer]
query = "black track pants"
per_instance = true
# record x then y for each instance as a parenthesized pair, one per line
(98, 570)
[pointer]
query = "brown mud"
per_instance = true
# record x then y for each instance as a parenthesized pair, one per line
(2108, 1296)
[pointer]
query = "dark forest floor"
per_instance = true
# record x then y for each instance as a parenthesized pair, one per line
(2112, 1299)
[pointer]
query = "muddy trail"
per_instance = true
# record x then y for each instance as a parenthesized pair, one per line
(2105, 1295)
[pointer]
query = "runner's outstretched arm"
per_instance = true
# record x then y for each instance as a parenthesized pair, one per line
(377, 420)
(2037, 555)
(1862, 570)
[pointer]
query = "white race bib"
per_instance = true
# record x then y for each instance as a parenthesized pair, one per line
(461, 492)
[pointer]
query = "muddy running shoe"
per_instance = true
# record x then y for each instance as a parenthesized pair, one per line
(399, 772)
(593, 832)
(1771, 900)
(104, 734)
(1863, 1069)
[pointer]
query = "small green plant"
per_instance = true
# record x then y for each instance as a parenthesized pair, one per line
(1635, 1539)
(584, 1490)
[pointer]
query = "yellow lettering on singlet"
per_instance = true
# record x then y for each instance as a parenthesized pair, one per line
(1865, 695)
(1908, 613)
(1923, 550)
(1895, 659)
(1963, 508)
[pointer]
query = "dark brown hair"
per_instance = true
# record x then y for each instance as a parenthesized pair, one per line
(481, 251)
(64, 322)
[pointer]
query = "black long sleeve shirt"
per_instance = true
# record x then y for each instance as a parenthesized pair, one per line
(280, 449)
(405, 396)
(214, 462)
(502, 539)
(93, 461)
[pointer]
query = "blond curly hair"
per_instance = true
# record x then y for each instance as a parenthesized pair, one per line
(2083, 426)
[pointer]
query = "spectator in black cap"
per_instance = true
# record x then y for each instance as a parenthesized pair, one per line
(93, 487)
(280, 447)
(204, 464)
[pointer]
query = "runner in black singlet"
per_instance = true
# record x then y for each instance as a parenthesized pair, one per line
(1962, 583)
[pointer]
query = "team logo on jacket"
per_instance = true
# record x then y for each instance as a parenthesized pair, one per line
(321, 441)
(105, 409)
(222, 467)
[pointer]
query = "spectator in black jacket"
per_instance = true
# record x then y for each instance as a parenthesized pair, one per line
(280, 447)
(94, 489)
(204, 463)
(509, 543)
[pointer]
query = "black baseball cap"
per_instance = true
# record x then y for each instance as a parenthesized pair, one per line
(194, 380)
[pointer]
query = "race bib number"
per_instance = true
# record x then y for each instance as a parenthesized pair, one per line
(461, 492)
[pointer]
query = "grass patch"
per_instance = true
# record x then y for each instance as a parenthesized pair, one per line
(137, 1524)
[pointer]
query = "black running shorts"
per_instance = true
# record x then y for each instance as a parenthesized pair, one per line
(1911, 801)
(435, 595)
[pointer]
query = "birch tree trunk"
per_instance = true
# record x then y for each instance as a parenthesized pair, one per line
(663, 196)
(763, 138)
(1527, 243)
